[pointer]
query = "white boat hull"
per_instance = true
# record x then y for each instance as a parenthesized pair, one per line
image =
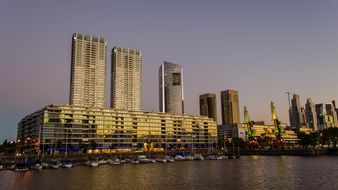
(67, 165)
(36, 167)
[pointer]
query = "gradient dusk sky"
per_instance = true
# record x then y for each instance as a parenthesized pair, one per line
(262, 48)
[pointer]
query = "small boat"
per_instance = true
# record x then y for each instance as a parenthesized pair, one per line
(45, 165)
(114, 162)
(54, 164)
(223, 157)
(180, 158)
(92, 163)
(169, 159)
(189, 158)
(134, 162)
(36, 166)
(198, 157)
(144, 159)
(161, 160)
(231, 157)
(213, 157)
(102, 161)
(20, 167)
(66, 164)
(110, 161)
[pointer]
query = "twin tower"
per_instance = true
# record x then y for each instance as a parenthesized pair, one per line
(88, 77)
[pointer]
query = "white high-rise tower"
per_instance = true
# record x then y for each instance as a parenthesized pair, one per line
(88, 71)
(126, 78)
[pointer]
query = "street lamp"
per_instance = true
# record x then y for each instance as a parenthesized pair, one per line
(66, 142)
(29, 144)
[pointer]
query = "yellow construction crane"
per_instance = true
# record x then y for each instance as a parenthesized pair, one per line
(248, 122)
(276, 122)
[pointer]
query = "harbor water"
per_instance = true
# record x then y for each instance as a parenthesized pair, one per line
(247, 172)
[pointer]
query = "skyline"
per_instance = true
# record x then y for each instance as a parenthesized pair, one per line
(247, 46)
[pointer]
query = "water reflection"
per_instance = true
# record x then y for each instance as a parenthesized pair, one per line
(248, 172)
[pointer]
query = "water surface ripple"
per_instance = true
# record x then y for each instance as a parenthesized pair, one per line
(248, 172)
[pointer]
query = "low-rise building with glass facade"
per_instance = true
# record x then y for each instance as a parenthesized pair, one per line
(74, 126)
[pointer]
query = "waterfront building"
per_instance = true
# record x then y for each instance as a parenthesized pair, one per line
(232, 131)
(171, 94)
(258, 131)
(297, 118)
(126, 78)
(208, 105)
(73, 126)
(88, 70)
(230, 107)
(310, 115)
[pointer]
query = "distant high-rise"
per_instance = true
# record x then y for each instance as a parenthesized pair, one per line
(331, 110)
(324, 117)
(126, 77)
(296, 113)
(335, 107)
(230, 107)
(171, 88)
(311, 115)
(88, 71)
(208, 106)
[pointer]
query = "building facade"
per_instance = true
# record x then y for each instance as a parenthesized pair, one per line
(171, 95)
(88, 71)
(311, 115)
(230, 107)
(208, 105)
(297, 118)
(126, 79)
(324, 116)
(73, 126)
(259, 131)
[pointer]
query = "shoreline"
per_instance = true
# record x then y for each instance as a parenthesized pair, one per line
(8, 160)
(289, 152)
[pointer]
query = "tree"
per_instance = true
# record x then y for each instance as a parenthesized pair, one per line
(304, 139)
(333, 135)
(330, 136)
(239, 142)
(314, 138)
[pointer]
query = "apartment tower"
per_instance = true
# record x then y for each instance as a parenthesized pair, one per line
(297, 115)
(311, 115)
(208, 106)
(126, 78)
(88, 71)
(230, 107)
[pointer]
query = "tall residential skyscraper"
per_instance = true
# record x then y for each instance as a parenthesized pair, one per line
(324, 117)
(296, 113)
(230, 107)
(311, 115)
(126, 78)
(171, 88)
(208, 106)
(335, 107)
(88, 71)
(331, 110)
